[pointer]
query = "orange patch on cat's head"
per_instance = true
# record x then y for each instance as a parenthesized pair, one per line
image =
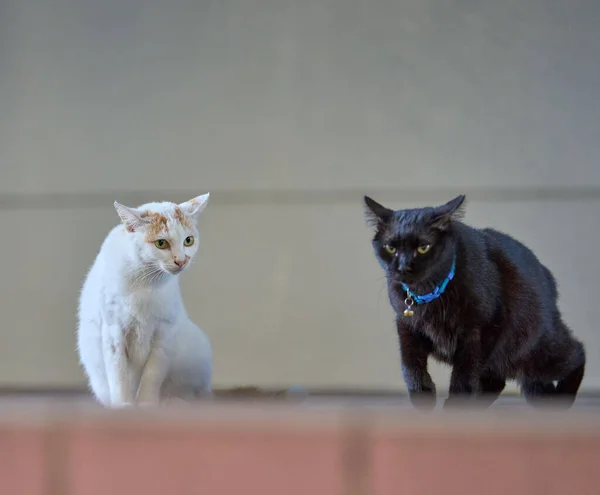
(181, 217)
(157, 224)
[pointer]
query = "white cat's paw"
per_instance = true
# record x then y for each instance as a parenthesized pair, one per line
(146, 400)
(121, 405)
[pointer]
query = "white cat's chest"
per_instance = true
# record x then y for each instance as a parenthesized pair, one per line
(145, 311)
(144, 305)
(143, 317)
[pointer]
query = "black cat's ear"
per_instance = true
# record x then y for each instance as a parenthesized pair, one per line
(444, 214)
(375, 213)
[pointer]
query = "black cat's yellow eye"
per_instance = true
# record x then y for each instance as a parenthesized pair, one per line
(188, 241)
(161, 244)
(390, 249)
(423, 249)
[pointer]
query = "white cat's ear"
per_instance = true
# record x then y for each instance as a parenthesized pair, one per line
(131, 217)
(194, 206)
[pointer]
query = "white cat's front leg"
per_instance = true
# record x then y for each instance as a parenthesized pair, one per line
(118, 373)
(153, 375)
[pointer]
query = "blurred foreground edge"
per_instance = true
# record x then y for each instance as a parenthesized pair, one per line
(326, 446)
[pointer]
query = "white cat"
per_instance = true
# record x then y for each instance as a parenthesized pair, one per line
(136, 342)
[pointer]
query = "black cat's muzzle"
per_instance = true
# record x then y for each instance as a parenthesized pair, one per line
(402, 269)
(406, 275)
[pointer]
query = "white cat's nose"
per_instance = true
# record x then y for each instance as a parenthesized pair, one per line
(179, 262)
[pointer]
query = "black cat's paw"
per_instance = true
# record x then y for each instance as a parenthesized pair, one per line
(423, 401)
(458, 402)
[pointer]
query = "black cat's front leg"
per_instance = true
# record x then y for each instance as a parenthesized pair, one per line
(414, 351)
(465, 377)
(490, 388)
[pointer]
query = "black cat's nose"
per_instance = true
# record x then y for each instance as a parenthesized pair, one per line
(403, 264)
(403, 268)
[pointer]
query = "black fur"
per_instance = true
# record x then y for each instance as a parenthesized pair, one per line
(497, 320)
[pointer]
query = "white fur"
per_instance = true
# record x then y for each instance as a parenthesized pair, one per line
(136, 342)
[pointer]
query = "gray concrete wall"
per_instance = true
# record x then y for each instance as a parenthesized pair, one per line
(288, 111)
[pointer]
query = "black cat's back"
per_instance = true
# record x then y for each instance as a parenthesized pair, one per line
(525, 261)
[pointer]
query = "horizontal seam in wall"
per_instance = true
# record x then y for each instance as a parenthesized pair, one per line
(266, 197)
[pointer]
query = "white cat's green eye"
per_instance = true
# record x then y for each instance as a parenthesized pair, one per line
(423, 249)
(390, 249)
(161, 244)
(188, 241)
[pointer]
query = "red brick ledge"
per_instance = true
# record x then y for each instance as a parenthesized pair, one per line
(76, 448)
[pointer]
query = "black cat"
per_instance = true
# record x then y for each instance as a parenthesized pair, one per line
(478, 300)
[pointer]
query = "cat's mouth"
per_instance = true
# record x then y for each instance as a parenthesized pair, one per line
(175, 270)
(406, 278)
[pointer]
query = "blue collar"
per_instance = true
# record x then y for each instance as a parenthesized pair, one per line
(437, 292)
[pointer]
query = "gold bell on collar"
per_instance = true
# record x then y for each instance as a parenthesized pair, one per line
(408, 312)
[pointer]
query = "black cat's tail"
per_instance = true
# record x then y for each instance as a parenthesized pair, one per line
(562, 361)
(568, 385)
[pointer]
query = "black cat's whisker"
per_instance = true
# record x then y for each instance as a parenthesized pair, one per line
(381, 289)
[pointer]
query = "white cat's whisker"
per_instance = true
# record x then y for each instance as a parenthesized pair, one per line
(148, 277)
(140, 276)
